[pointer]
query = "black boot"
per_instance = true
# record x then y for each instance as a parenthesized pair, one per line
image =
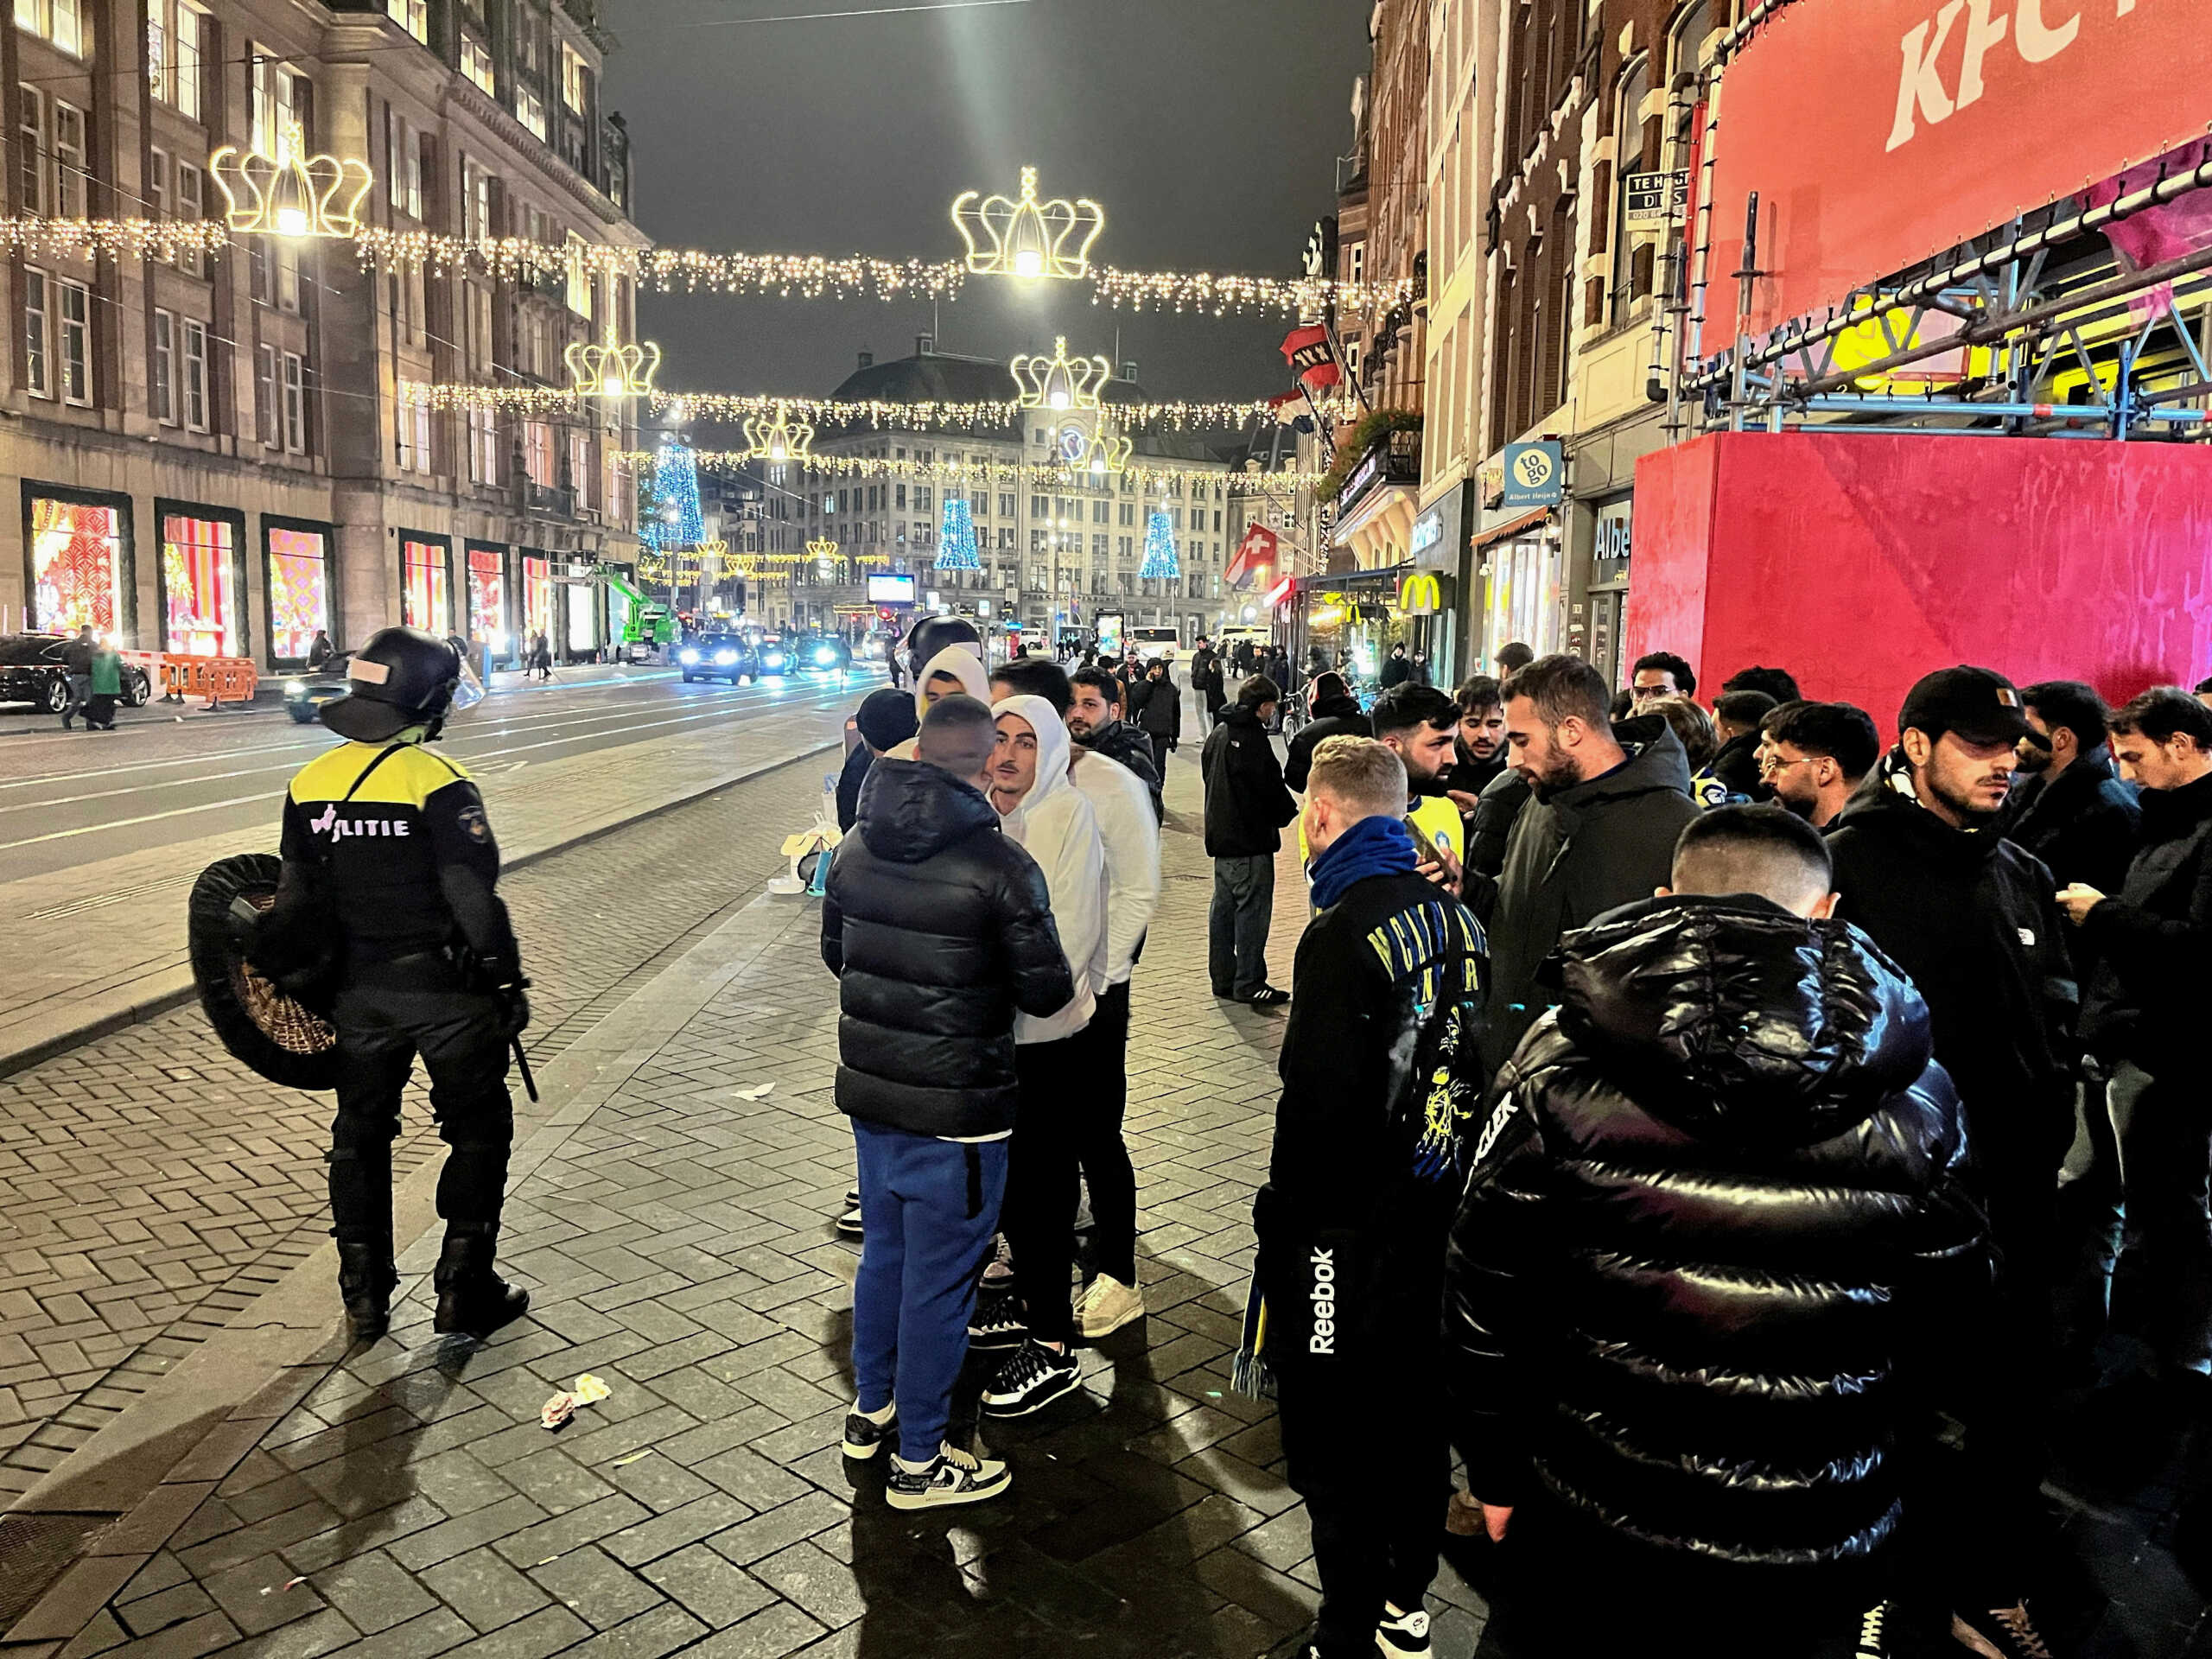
(365, 1281)
(473, 1300)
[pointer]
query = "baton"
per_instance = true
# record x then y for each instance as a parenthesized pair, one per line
(529, 1082)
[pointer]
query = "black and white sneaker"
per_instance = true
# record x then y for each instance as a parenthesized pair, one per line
(1403, 1635)
(1873, 1633)
(1266, 997)
(1031, 1379)
(865, 1435)
(996, 1322)
(952, 1477)
(848, 1218)
(1999, 1633)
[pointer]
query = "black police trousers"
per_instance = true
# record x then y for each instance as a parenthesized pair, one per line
(381, 1028)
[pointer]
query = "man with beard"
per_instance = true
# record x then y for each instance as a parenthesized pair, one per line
(2073, 811)
(1094, 720)
(1421, 725)
(1815, 756)
(1598, 830)
(1332, 711)
(1924, 868)
(1480, 754)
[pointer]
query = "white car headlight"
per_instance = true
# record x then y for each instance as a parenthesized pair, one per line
(687, 657)
(724, 659)
(296, 687)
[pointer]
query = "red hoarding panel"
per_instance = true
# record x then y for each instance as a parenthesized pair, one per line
(1860, 563)
(1877, 133)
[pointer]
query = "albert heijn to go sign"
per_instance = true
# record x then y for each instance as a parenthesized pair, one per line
(1948, 117)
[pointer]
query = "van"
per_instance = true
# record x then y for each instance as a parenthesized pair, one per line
(1148, 642)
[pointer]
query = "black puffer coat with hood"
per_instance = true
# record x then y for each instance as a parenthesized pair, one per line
(939, 927)
(1714, 1216)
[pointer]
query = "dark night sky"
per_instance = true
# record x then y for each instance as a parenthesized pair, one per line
(1207, 129)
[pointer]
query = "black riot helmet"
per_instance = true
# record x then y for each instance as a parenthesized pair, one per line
(400, 678)
(932, 634)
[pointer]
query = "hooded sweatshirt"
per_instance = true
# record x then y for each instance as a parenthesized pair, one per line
(939, 929)
(1575, 853)
(1716, 1211)
(959, 661)
(1056, 824)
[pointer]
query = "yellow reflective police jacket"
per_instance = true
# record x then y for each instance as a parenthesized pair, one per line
(396, 838)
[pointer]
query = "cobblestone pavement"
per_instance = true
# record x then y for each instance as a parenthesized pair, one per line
(678, 1242)
(151, 1186)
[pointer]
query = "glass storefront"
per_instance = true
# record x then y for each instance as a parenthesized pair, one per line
(583, 619)
(425, 593)
(203, 598)
(536, 598)
(1527, 577)
(299, 589)
(487, 597)
(80, 567)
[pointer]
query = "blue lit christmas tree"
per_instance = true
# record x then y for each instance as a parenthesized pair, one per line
(670, 517)
(956, 541)
(1159, 560)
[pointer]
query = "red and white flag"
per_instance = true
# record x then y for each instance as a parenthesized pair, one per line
(1311, 359)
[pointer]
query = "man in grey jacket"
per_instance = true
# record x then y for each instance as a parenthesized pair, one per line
(1599, 831)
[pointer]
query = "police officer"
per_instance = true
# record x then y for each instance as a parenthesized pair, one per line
(387, 846)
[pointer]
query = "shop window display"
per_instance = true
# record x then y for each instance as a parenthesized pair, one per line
(202, 609)
(299, 591)
(424, 599)
(77, 566)
(487, 597)
(537, 598)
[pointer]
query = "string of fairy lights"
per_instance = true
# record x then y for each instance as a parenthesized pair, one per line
(982, 471)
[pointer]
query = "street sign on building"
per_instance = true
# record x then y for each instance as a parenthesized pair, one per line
(1535, 476)
(1653, 201)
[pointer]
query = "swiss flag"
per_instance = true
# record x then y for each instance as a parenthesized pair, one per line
(1256, 552)
(1311, 358)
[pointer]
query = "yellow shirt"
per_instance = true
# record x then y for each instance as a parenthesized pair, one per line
(1435, 820)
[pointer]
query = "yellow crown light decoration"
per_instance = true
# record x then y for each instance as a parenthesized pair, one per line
(1059, 383)
(1029, 239)
(1100, 452)
(781, 439)
(291, 194)
(612, 368)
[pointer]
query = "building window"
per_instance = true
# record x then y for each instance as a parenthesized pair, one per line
(33, 159)
(59, 21)
(425, 596)
(581, 286)
(483, 446)
(580, 466)
(402, 164)
(275, 98)
(413, 16)
(69, 174)
(264, 368)
(201, 613)
(196, 375)
(79, 570)
(38, 334)
(476, 62)
(476, 202)
(296, 404)
(413, 451)
(575, 79)
(299, 591)
(162, 393)
(76, 342)
(537, 453)
(488, 594)
(531, 111)
(189, 206)
(174, 29)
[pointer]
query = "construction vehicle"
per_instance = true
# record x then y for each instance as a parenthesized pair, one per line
(649, 626)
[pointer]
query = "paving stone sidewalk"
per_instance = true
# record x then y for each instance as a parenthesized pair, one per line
(407, 1503)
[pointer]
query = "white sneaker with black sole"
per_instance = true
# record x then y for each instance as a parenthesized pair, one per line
(1403, 1635)
(1031, 1379)
(865, 1435)
(996, 1322)
(952, 1477)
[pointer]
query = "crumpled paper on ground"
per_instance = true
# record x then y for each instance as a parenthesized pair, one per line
(556, 1411)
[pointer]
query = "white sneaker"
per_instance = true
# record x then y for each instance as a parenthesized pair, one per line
(1403, 1635)
(953, 1476)
(1106, 1306)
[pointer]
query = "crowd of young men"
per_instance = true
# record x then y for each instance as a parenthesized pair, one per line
(1672, 1120)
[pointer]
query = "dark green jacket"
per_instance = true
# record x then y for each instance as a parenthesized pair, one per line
(107, 672)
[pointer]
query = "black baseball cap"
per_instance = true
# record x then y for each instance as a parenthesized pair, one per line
(1980, 705)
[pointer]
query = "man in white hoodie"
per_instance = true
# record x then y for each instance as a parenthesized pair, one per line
(1042, 810)
(1130, 833)
(957, 668)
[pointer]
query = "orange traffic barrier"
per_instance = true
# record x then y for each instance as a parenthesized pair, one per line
(219, 679)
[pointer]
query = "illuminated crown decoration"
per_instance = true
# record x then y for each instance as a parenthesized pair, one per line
(612, 368)
(781, 439)
(822, 551)
(1098, 452)
(291, 194)
(1029, 239)
(1059, 383)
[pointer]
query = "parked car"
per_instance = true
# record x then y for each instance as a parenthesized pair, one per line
(305, 693)
(718, 656)
(31, 671)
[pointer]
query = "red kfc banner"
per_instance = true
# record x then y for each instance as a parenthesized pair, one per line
(1879, 133)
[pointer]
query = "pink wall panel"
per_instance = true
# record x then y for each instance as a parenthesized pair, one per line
(1860, 562)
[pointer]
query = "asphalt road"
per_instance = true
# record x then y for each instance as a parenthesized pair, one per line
(73, 797)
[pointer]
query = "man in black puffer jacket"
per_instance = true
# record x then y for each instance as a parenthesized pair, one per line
(938, 928)
(1714, 1223)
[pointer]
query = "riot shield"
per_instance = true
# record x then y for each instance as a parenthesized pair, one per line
(276, 1035)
